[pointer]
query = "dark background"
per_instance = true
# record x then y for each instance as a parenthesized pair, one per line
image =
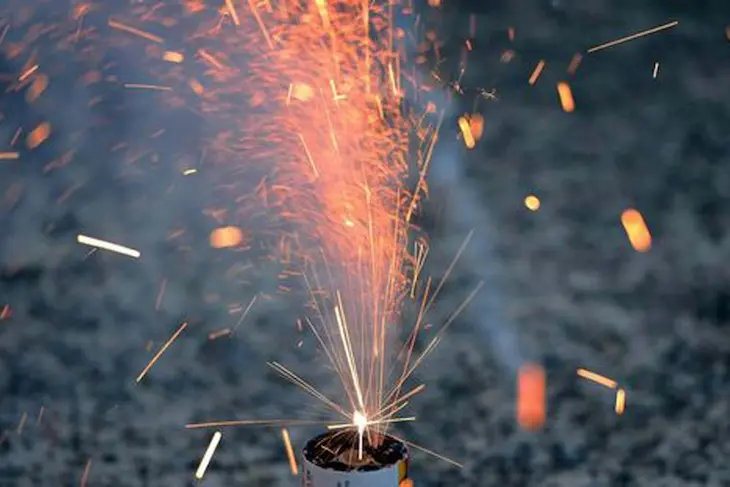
(563, 286)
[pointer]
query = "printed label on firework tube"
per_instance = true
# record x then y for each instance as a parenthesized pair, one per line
(389, 476)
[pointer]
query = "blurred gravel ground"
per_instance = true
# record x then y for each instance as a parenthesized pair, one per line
(569, 285)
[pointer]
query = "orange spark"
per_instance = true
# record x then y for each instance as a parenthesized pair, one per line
(85, 475)
(469, 141)
(531, 397)
(7, 156)
(631, 37)
(532, 202)
(226, 237)
(290, 452)
(636, 230)
(38, 135)
(620, 401)
(160, 352)
(133, 30)
(574, 63)
(536, 73)
(566, 97)
(597, 378)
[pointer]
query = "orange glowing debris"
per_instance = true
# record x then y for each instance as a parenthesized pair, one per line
(225, 237)
(36, 88)
(511, 34)
(643, 33)
(173, 57)
(566, 97)
(6, 312)
(636, 230)
(597, 378)
(531, 401)
(406, 483)
(434, 3)
(532, 202)
(290, 452)
(196, 86)
(466, 132)
(38, 135)
(133, 30)
(620, 401)
(8, 156)
(536, 73)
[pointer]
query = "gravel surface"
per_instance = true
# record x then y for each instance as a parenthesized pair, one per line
(563, 285)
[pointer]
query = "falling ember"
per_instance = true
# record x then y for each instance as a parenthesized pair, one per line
(636, 230)
(290, 452)
(85, 475)
(188, 172)
(574, 63)
(225, 237)
(162, 350)
(620, 401)
(301, 91)
(476, 124)
(466, 132)
(597, 378)
(656, 70)
(531, 401)
(208, 456)
(38, 135)
(9, 156)
(532, 202)
(6, 312)
(536, 73)
(102, 244)
(566, 97)
(36, 88)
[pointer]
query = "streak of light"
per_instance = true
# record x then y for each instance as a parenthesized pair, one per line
(6, 312)
(38, 135)
(28, 73)
(429, 452)
(636, 230)
(574, 63)
(597, 378)
(631, 37)
(536, 72)
(261, 24)
(188, 172)
(147, 87)
(219, 333)
(160, 294)
(531, 397)
(21, 424)
(532, 202)
(40, 415)
(620, 401)
(566, 97)
(252, 422)
(200, 473)
(656, 70)
(103, 244)
(133, 30)
(245, 313)
(290, 452)
(162, 350)
(85, 475)
(8, 156)
(232, 10)
(469, 141)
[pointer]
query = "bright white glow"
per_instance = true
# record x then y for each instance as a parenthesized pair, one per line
(359, 420)
(208, 455)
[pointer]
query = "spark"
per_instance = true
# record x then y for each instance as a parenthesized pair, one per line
(232, 10)
(133, 30)
(173, 57)
(656, 70)
(208, 456)
(531, 397)
(636, 230)
(188, 172)
(536, 72)
(7, 156)
(620, 401)
(147, 87)
(85, 475)
(112, 247)
(566, 97)
(574, 63)
(631, 37)
(532, 202)
(290, 452)
(21, 424)
(160, 352)
(469, 141)
(252, 422)
(597, 378)
(219, 333)
(160, 294)
(28, 73)
(6, 312)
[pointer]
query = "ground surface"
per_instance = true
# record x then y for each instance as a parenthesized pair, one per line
(563, 286)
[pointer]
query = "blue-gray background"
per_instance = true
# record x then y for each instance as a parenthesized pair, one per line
(563, 285)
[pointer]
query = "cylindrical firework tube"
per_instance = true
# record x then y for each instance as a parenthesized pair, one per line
(330, 460)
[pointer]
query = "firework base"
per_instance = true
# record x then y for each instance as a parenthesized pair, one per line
(332, 460)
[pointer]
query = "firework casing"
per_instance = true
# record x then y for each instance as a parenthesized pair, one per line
(388, 474)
